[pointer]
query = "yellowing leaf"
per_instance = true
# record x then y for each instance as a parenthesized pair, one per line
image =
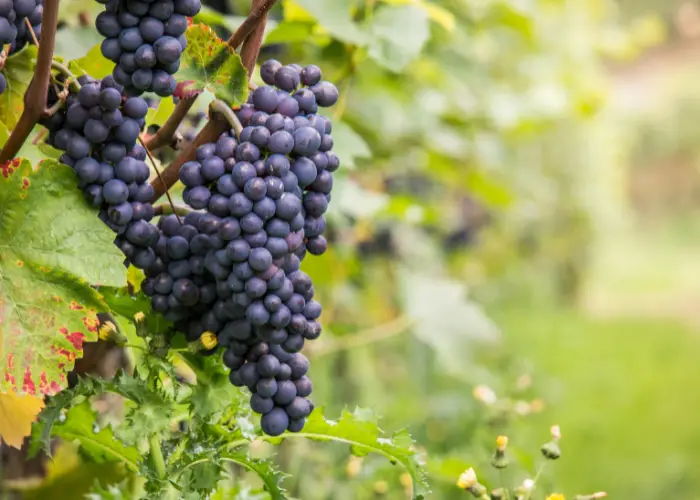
(440, 15)
(17, 413)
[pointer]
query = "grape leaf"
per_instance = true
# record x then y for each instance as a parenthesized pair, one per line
(18, 71)
(93, 63)
(390, 46)
(51, 243)
(17, 413)
(100, 446)
(208, 63)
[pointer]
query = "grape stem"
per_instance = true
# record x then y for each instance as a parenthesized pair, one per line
(61, 68)
(167, 209)
(155, 167)
(35, 97)
(215, 126)
(220, 106)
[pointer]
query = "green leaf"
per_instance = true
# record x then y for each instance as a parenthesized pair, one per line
(93, 64)
(360, 431)
(292, 32)
(131, 388)
(18, 71)
(75, 42)
(51, 246)
(390, 45)
(335, 16)
(266, 470)
(100, 446)
(161, 114)
(208, 63)
(348, 145)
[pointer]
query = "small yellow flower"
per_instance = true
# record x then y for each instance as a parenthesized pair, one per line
(467, 479)
(381, 487)
(501, 443)
(107, 330)
(139, 317)
(208, 340)
(556, 496)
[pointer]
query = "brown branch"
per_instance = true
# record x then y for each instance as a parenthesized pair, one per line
(210, 133)
(35, 97)
(166, 134)
(216, 125)
(252, 44)
(155, 167)
(258, 12)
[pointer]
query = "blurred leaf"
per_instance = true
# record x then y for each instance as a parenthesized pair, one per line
(352, 199)
(291, 32)
(398, 35)
(333, 15)
(348, 145)
(208, 63)
(18, 71)
(74, 43)
(17, 413)
(445, 318)
(93, 64)
(100, 446)
(436, 13)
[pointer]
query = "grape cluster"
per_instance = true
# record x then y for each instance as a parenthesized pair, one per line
(145, 38)
(13, 26)
(233, 269)
(97, 130)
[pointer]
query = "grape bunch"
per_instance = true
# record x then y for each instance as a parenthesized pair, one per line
(145, 39)
(13, 26)
(97, 130)
(233, 267)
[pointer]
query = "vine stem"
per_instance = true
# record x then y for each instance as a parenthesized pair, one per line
(35, 97)
(215, 126)
(157, 456)
(167, 209)
(258, 12)
(220, 106)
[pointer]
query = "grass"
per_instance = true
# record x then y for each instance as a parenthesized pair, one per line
(626, 393)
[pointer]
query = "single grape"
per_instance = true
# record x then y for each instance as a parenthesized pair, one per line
(275, 422)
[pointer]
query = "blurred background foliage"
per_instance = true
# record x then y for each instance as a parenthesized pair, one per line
(515, 236)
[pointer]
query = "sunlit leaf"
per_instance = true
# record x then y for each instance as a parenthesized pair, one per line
(17, 413)
(18, 71)
(75, 42)
(159, 115)
(52, 245)
(208, 63)
(93, 64)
